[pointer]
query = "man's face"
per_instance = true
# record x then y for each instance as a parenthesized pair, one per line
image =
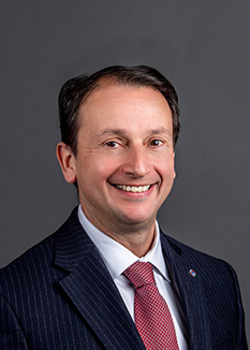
(125, 161)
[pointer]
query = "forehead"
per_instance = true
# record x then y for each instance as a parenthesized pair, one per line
(134, 113)
(123, 99)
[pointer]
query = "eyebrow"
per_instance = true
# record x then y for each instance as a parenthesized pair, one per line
(111, 131)
(123, 133)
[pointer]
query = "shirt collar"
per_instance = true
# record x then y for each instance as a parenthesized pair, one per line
(118, 258)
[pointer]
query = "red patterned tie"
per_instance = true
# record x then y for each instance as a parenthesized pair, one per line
(152, 316)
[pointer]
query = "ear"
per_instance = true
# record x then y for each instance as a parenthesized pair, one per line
(66, 160)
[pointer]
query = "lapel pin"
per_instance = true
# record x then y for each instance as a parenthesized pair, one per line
(192, 272)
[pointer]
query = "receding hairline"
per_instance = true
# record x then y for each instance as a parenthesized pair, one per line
(107, 81)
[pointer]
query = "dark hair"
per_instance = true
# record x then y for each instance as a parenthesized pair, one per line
(76, 91)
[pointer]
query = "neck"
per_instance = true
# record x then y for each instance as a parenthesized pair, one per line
(136, 237)
(139, 242)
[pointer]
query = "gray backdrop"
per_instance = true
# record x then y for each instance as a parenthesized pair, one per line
(202, 46)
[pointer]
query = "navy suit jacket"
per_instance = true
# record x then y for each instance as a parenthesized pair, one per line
(60, 295)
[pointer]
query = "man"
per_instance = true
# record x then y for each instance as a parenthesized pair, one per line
(78, 288)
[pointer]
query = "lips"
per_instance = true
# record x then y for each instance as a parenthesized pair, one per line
(133, 189)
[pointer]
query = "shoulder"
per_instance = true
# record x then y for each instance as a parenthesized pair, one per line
(187, 252)
(34, 265)
(30, 265)
(211, 269)
(214, 276)
(209, 283)
(47, 261)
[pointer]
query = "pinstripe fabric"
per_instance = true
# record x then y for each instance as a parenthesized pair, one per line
(59, 295)
(211, 300)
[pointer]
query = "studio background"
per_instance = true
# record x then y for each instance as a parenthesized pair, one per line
(202, 46)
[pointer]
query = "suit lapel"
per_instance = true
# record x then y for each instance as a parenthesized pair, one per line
(191, 292)
(92, 290)
(90, 287)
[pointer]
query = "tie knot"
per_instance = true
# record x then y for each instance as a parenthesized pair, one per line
(140, 274)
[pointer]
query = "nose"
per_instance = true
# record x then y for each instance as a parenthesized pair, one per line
(137, 162)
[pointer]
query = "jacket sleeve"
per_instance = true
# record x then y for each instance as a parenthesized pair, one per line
(11, 333)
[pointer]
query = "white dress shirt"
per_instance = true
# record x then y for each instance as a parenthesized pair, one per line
(118, 258)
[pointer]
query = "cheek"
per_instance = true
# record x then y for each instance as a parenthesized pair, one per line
(102, 169)
(168, 180)
(166, 169)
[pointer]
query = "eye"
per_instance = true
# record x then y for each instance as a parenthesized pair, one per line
(112, 144)
(155, 143)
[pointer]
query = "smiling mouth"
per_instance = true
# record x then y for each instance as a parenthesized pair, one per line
(134, 189)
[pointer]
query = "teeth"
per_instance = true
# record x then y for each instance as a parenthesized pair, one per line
(133, 188)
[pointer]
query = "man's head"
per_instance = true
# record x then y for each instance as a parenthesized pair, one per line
(76, 91)
(118, 137)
